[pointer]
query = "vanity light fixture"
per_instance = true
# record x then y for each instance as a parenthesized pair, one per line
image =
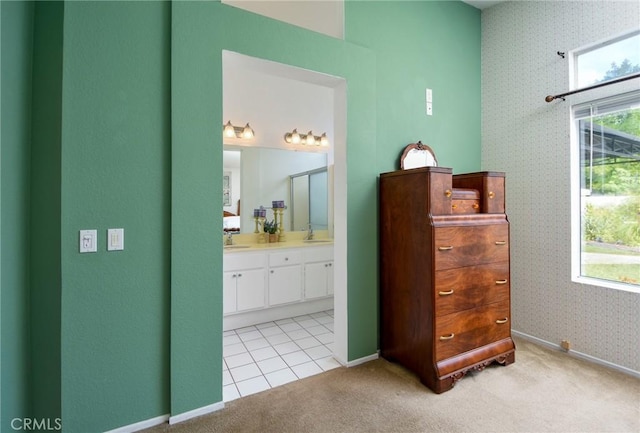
(308, 139)
(231, 131)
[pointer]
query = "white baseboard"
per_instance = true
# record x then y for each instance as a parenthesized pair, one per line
(141, 425)
(576, 354)
(196, 412)
(362, 360)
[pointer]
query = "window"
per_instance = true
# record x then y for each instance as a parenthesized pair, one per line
(606, 170)
(607, 61)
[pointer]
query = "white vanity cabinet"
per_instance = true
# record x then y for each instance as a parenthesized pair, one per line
(285, 277)
(271, 284)
(243, 282)
(318, 272)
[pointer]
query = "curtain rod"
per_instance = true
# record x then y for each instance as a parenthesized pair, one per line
(595, 86)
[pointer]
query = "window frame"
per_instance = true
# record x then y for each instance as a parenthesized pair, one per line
(574, 54)
(615, 98)
(615, 92)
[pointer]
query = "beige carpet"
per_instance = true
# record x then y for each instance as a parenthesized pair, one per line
(544, 391)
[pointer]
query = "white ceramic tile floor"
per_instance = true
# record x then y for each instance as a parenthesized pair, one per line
(270, 354)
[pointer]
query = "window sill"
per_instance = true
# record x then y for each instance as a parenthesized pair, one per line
(633, 288)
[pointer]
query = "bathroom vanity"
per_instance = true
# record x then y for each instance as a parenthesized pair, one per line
(266, 282)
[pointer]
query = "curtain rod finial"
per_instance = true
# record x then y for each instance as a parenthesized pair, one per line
(549, 98)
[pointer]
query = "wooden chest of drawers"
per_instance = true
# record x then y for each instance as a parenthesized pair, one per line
(445, 283)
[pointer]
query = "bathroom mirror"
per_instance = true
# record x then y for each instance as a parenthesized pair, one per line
(260, 175)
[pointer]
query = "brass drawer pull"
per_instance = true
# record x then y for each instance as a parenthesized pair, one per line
(475, 206)
(447, 193)
(447, 248)
(454, 206)
(501, 242)
(450, 292)
(500, 321)
(447, 337)
(501, 281)
(492, 194)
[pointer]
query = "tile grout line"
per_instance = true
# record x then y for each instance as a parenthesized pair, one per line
(259, 329)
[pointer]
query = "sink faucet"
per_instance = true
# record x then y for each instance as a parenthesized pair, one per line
(309, 233)
(229, 239)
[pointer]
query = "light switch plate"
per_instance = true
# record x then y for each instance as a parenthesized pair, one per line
(88, 241)
(115, 239)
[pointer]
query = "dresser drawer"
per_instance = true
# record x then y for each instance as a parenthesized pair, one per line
(465, 206)
(459, 246)
(469, 287)
(465, 201)
(460, 332)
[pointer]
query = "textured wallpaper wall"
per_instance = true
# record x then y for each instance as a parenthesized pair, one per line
(529, 140)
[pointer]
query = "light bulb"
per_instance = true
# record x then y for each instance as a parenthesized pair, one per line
(310, 139)
(295, 137)
(247, 132)
(324, 141)
(228, 130)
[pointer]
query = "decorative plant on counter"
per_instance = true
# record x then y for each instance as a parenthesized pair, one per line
(270, 227)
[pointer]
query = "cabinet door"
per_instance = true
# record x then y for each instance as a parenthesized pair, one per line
(330, 278)
(229, 304)
(250, 289)
(285, 284)
(315, 280)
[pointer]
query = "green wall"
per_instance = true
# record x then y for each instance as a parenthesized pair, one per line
(115, 166)
(132, 128)
(45, 210)
(200, 32)
(15, 142)
(420, 45)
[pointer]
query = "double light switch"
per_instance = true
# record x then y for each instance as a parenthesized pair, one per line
(89, 240)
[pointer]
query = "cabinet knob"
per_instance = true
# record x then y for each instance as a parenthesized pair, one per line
(499, 282)
(446, 248)
(500, 321)
(450, 292)
(272, 271)
(447, 193)
(286, 259)
(239, 275)
(447, 337)
(492, 194)
(501, 242)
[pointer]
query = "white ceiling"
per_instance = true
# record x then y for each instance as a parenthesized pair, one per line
(482, 4)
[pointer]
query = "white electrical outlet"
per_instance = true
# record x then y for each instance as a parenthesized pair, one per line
(429, 109)
(88, 241)
(429, 95)
(115, 239)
